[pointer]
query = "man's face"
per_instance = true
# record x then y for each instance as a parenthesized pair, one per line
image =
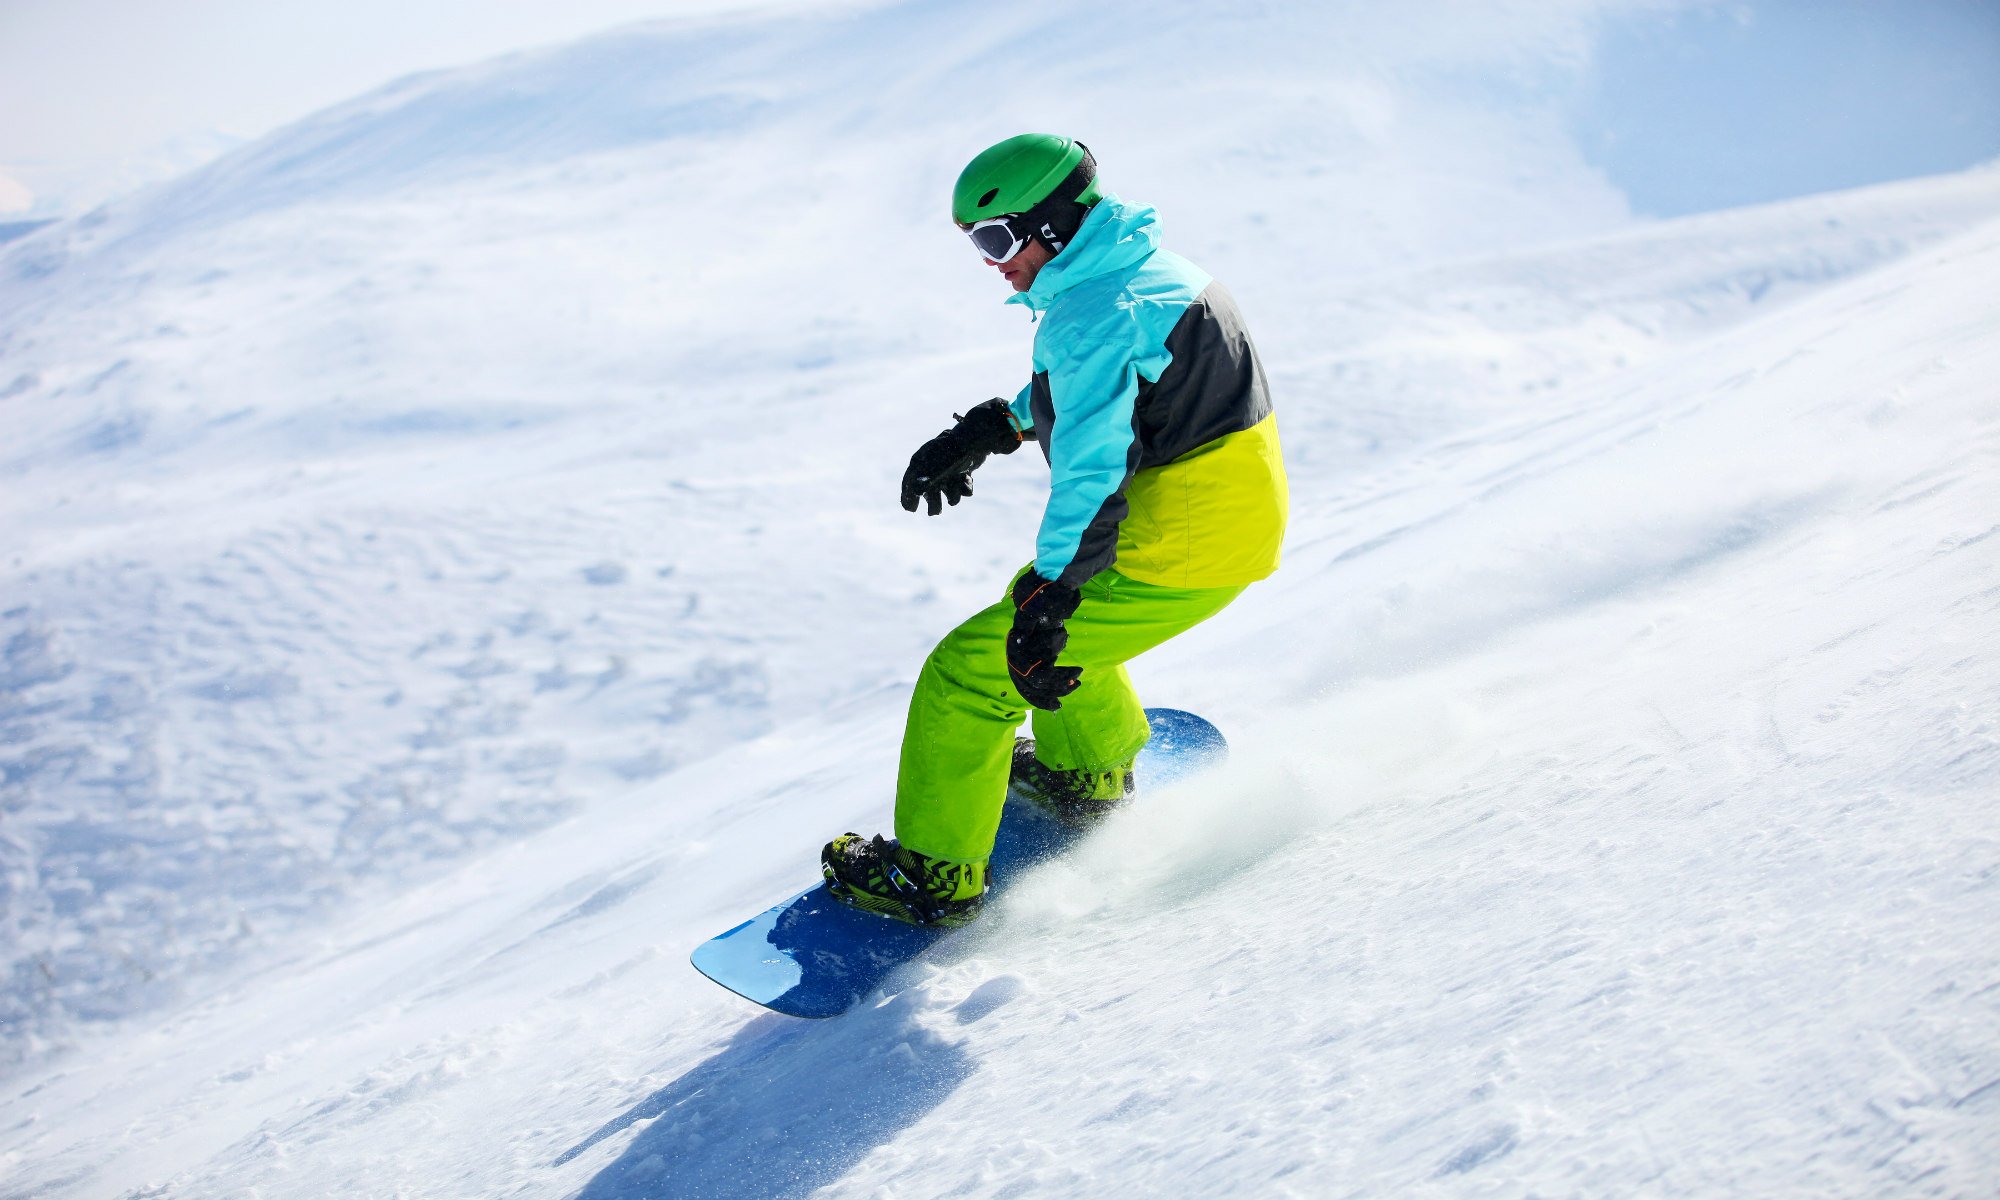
(1021, 269)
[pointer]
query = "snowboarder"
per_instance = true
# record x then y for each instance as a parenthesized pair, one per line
(1167, 498)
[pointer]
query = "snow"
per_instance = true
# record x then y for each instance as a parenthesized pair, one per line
(451, 571)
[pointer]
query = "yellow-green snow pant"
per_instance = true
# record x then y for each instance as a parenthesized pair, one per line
(958, 744)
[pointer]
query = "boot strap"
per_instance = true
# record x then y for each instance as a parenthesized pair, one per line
(922, 905)
(925, 907)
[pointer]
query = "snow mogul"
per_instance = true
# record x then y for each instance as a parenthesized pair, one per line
(1167, 498)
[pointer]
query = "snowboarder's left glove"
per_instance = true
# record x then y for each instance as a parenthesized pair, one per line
(1040, 608)
(942, 468)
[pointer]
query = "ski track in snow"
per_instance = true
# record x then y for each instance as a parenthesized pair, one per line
(440, 592)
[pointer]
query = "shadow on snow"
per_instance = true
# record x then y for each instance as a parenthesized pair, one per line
(785, 1108)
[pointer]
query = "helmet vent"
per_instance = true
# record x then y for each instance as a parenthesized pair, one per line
(988, 197)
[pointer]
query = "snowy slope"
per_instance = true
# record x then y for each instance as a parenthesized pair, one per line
(445, 586)
(407, 480)
(1610, 814)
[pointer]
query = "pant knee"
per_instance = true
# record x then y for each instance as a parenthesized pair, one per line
(963, 667)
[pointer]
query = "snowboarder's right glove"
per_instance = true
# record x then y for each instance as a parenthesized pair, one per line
(942, 468)
(1040, 608)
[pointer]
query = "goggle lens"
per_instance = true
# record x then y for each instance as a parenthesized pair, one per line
(996, 239)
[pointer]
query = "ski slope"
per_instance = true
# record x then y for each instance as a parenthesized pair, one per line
(451, 573)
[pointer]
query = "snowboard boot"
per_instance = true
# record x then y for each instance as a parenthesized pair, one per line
(1076, 799)
(879, 876)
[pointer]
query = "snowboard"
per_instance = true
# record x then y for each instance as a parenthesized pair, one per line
(813, 956)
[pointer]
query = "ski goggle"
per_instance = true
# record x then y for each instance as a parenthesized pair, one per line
(996, 237)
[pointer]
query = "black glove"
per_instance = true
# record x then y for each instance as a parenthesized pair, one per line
(1040, 608)
(942, 468)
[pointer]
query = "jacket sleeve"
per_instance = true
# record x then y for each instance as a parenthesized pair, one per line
(1093, 451)
(1023, 417)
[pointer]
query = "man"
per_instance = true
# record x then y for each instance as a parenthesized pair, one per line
(1167, 498)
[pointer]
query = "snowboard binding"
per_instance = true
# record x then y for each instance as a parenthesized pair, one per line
(877, 875)
(1076, 799)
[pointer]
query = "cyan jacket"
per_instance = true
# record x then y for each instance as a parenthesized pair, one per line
(1150, 405)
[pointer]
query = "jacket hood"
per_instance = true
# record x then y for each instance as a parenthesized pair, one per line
(1114, 235)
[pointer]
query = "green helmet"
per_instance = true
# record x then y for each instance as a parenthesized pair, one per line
(1015, 175)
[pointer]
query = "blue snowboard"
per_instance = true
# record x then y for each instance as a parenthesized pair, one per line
(813, 956)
